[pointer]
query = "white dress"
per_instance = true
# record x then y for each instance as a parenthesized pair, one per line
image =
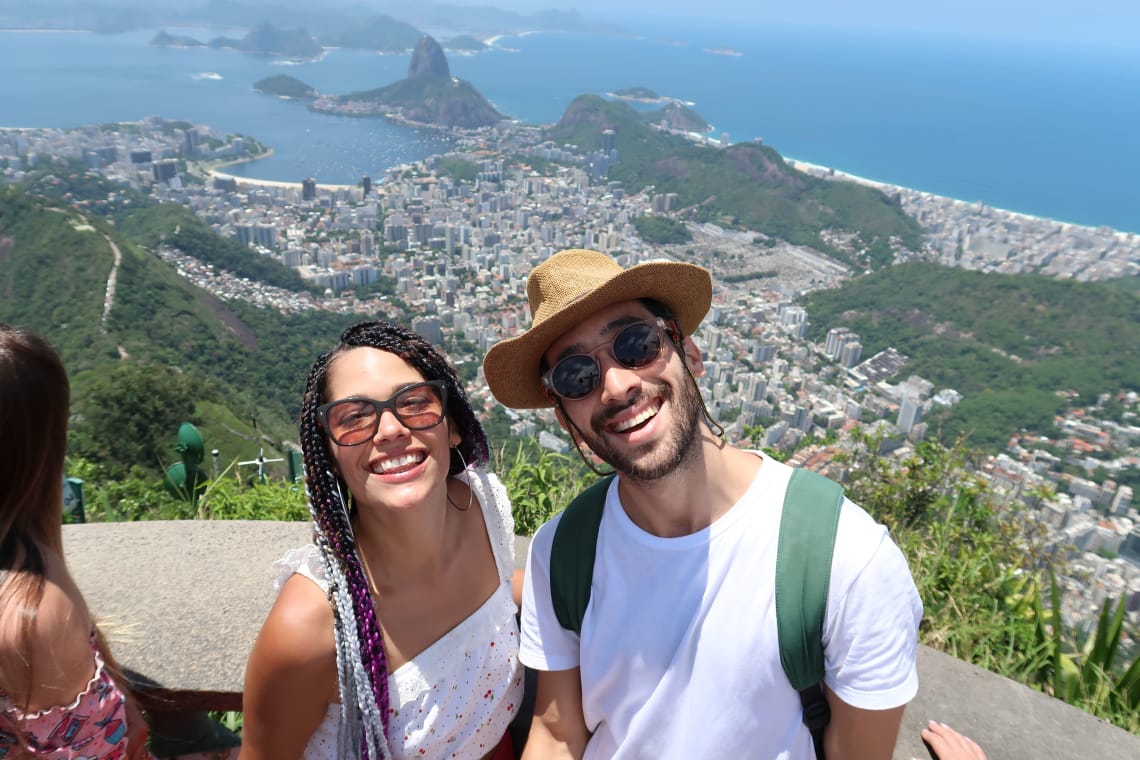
(456, 698)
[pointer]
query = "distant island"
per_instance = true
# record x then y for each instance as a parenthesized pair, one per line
(286, 87)
(639, 94)
(162, 39)
(263, 39)
(466, 43)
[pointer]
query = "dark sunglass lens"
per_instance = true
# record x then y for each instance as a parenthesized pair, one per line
(351, 421)
(575, 376)
(637, 345)
(420, 406)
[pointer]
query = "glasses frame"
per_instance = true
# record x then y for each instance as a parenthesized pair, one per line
(664, 329)
(379, 406)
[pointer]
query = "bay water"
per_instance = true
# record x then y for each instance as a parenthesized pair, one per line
(1043, 129)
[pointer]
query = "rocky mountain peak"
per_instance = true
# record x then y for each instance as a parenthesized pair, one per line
(428, 59)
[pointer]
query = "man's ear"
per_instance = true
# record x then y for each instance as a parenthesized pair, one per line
(693, 357)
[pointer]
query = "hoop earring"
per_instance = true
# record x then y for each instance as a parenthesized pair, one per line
(470, 490)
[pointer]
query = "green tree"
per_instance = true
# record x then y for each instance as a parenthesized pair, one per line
(130, 417)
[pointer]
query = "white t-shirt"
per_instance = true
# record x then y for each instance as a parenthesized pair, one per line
(455, 698)
(679, 654)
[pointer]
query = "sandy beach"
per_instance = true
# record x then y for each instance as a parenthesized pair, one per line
(887, 187)
(216, 173)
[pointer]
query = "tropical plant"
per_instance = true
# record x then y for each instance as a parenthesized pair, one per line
(1092, 675)
(539, 484)
(978, 568)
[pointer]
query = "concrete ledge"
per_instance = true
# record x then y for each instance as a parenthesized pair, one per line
(182, 603)
(1009, 720)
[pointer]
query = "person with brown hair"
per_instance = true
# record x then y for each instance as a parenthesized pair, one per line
(394, 635)
(61, 694)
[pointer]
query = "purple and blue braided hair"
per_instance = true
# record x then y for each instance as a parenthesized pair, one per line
(361, 664)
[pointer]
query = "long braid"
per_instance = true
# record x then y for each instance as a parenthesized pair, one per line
(360, 651)
(361, 663)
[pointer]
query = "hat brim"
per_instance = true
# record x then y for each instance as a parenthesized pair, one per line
(513, 366)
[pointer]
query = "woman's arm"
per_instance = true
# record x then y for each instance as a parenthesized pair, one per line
(291, 676)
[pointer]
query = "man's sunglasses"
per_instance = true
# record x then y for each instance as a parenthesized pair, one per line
(633, 347)
(352, 421)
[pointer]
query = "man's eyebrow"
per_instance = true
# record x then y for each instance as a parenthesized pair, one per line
(611, 327)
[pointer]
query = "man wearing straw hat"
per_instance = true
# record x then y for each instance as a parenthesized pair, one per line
(677, 654)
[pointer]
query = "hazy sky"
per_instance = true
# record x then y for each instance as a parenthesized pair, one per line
(1117, 20)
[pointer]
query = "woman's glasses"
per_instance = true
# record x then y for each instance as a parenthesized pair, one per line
(634, 346)
(352, 421)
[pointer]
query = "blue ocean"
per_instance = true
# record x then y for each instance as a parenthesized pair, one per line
(1042, 129)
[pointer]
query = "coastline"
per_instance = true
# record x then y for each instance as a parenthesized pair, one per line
(819, 169)
(213, 173)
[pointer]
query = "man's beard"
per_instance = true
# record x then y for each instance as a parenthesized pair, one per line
(658, 458)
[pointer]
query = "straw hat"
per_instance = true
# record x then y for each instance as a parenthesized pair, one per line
(566, 289)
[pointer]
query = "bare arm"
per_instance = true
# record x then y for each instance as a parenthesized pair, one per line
(517, 587)
(858, 734)
(559, 728)
(291, 676)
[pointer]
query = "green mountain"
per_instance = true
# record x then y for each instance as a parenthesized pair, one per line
(1007, 343)
(429, 94)
(173, 351)
(746, 185)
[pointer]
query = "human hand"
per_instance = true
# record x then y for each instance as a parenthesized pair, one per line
(944, 743)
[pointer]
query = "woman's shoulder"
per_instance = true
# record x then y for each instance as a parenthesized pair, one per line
(59, 609)
(57, 644)
(299, 627)
(301, 603)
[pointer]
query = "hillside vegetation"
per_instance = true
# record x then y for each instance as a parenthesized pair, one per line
(1007, 343)
(747, 185)
(235, 370)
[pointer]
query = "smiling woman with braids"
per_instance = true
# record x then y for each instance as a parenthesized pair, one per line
(395, 634)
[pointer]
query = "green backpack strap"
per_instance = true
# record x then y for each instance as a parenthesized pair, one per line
(572, 554)
(803, 570)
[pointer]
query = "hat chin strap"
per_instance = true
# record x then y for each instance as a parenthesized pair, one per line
(713, 425)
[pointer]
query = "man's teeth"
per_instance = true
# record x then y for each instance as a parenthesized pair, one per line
(397, 463)
(632, 422)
